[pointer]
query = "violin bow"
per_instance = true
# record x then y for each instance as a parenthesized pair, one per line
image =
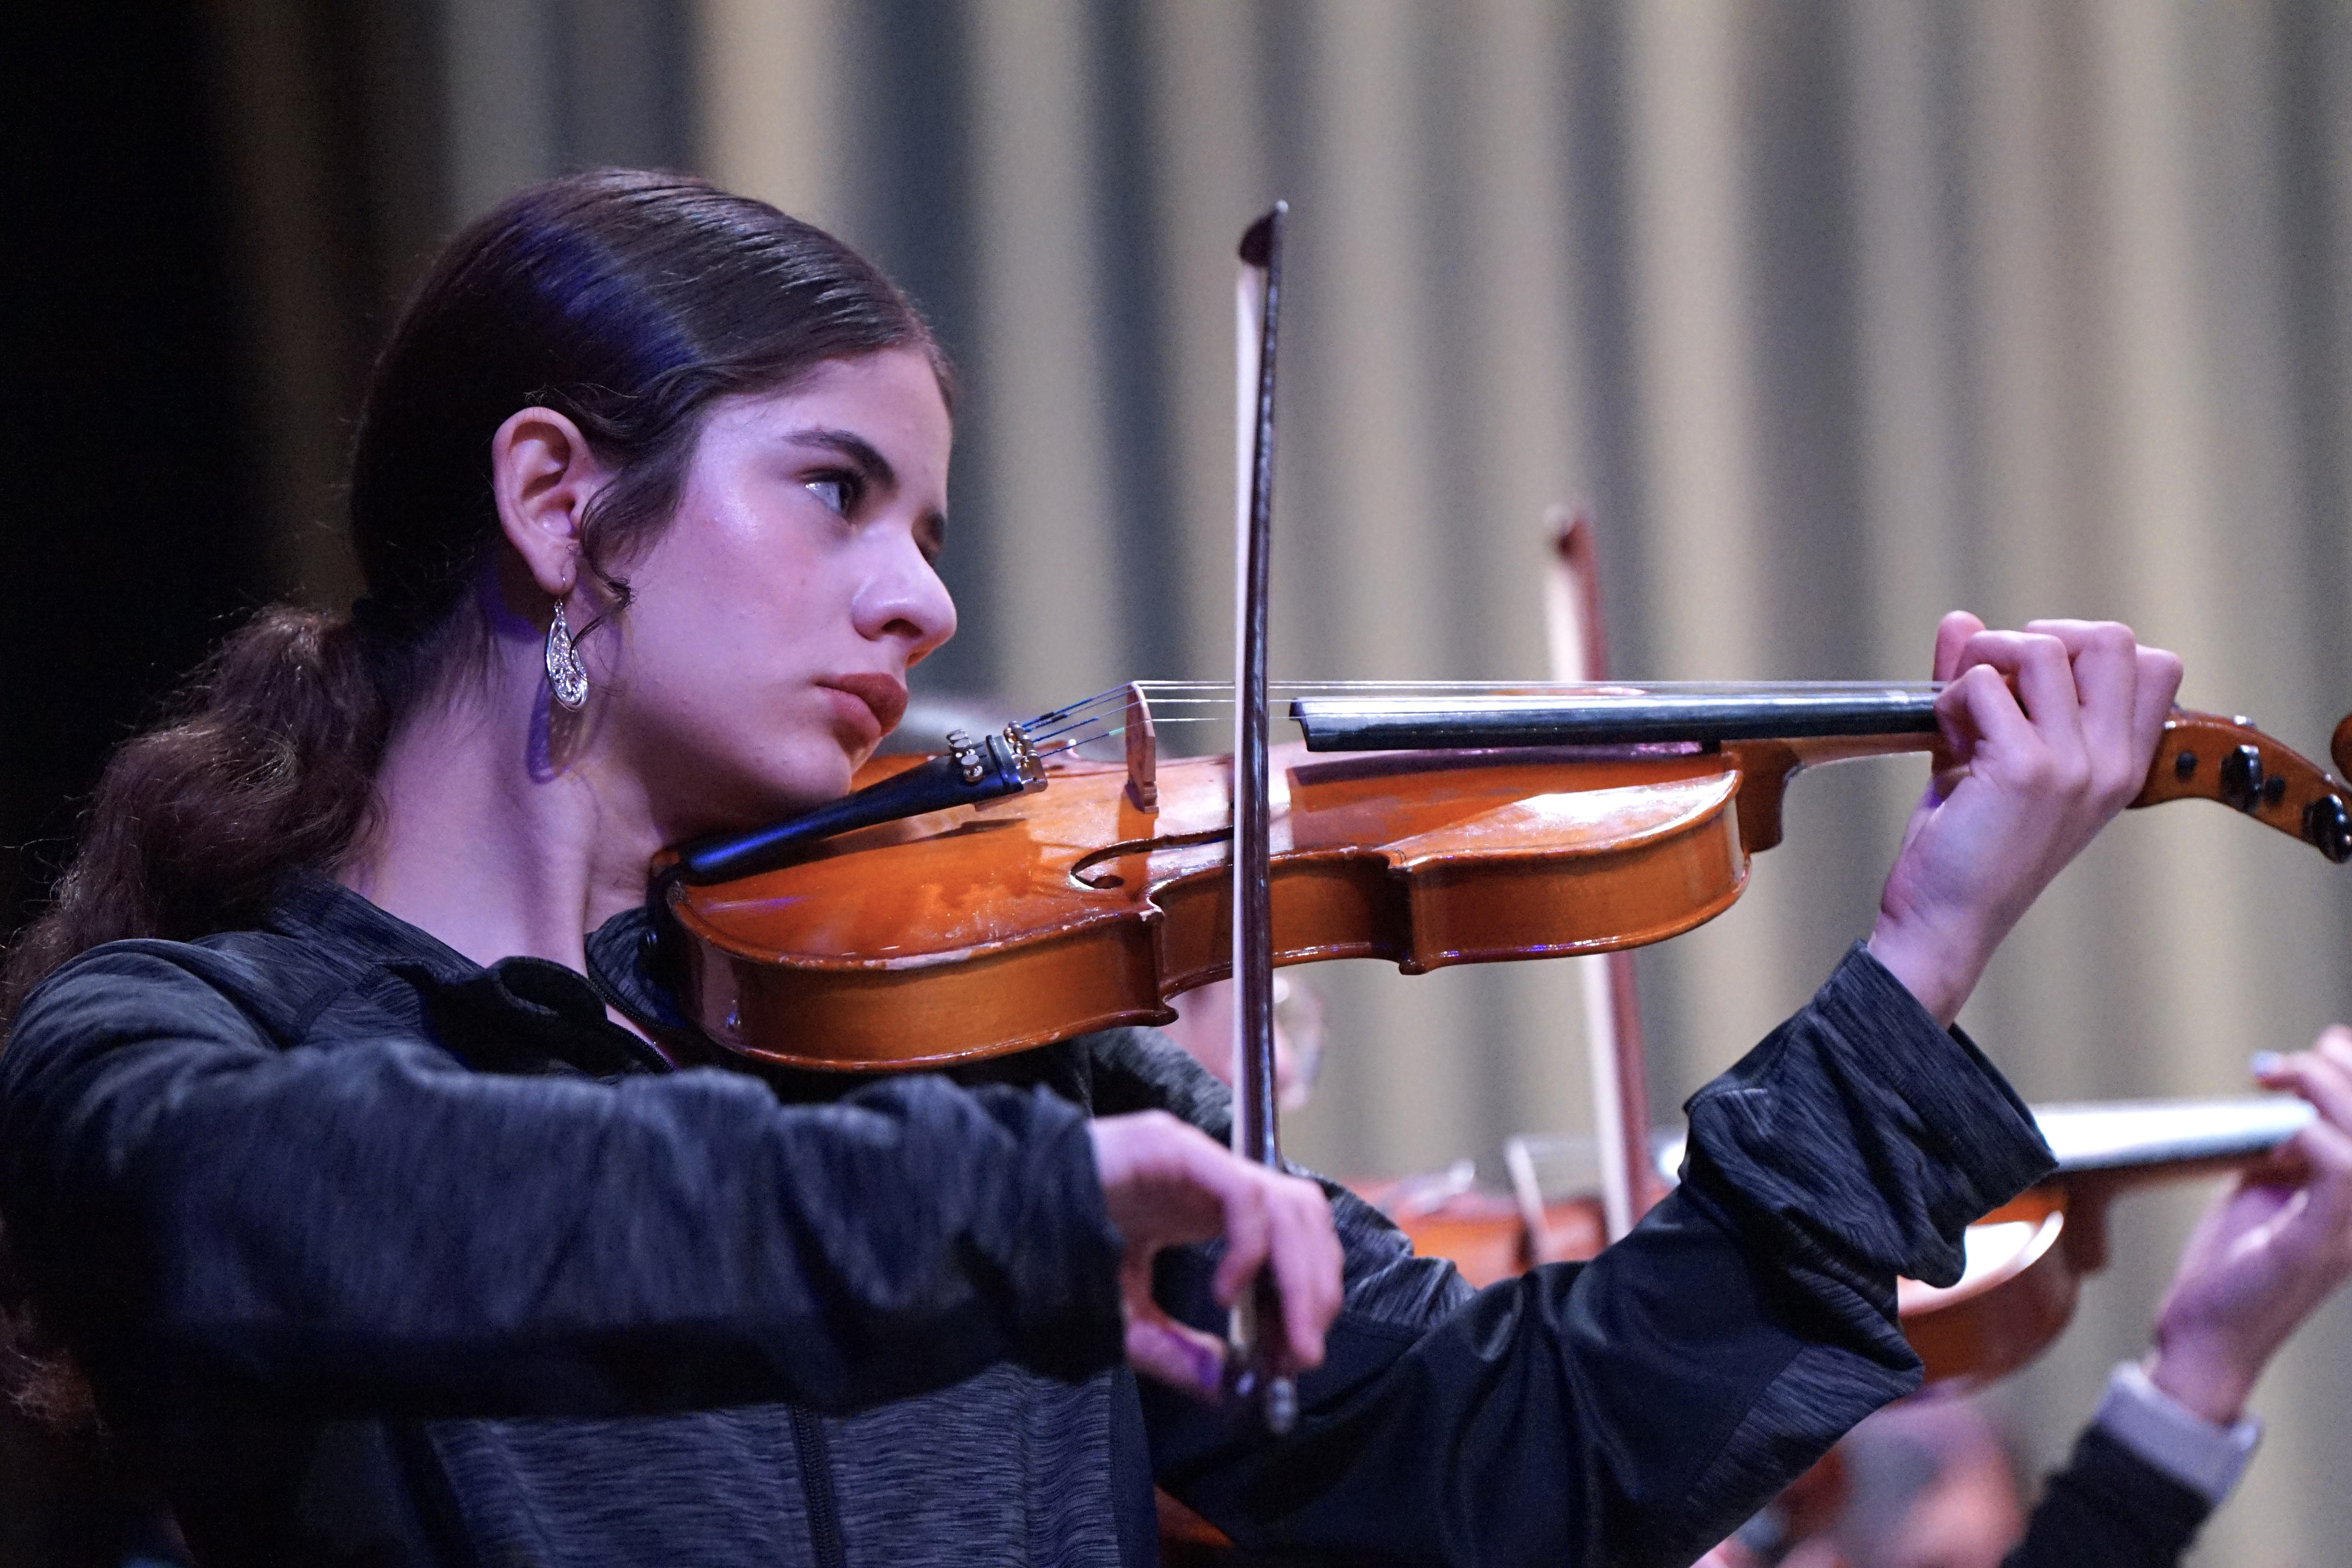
(1257, 304)
(1579, 643)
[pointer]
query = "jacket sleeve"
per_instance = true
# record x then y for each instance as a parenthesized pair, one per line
(365, 1225)
(2109, 1509)
(1635, 1410)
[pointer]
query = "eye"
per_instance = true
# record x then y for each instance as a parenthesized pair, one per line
(839, 492)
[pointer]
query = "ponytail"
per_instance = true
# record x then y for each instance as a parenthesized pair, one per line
(267, 767)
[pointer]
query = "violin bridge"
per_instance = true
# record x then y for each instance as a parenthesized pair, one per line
(1142, 752)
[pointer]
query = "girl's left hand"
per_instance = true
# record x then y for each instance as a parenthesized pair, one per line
(2046, 733)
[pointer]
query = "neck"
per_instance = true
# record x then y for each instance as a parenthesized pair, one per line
(491, 838)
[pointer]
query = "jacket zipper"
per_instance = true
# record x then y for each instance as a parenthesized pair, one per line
(815, 1454)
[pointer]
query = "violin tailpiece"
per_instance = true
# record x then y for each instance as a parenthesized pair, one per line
(972, 773)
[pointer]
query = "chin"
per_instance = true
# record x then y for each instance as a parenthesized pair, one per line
(825, 775)
(853, 750)
(775, 794)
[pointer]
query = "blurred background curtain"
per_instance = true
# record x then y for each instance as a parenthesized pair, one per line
(1835, 313)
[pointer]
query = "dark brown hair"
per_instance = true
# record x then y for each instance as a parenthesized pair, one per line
(627, 301)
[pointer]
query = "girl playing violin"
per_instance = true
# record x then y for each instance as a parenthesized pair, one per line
(353, 1144)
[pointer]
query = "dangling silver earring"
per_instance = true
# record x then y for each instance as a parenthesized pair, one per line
(567, 678)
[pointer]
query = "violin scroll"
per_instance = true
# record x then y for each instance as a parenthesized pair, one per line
(2203, 756)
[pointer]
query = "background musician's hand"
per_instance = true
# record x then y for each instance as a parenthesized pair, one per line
(2269, 1251)
(1166, 1184)
(2047, 733)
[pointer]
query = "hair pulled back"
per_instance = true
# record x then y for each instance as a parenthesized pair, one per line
(627, 301)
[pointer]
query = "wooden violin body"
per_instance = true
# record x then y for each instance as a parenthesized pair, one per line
(981, 930)
(992, 930)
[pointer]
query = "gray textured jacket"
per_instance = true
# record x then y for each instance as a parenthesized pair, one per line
(389, 1258)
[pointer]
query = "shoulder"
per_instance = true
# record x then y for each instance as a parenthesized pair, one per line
(256, 985)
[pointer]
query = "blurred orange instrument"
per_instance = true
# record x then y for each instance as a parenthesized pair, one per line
(1578, 636)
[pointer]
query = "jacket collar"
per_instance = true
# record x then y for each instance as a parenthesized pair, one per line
(519, 1014)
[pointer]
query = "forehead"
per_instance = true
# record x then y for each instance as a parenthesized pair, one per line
(891, 399)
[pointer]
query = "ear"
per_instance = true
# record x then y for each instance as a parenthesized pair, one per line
(543, 476)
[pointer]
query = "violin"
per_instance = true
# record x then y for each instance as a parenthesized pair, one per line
(1522, 824)
(2026, 1261)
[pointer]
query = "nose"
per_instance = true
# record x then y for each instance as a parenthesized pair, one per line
(903, 600)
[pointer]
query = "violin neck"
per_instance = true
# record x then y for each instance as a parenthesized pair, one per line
(1612, 716)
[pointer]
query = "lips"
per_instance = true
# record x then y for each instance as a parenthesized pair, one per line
(884, 695)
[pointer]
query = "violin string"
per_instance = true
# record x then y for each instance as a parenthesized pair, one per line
(1039, 726)
(1732, 688)
(1070, 741)
(1180, 690)
(1157, 691)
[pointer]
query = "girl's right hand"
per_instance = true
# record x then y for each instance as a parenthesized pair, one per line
(1167, 1184)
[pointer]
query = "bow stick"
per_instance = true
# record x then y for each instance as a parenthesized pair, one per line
(1257, 302)
(1612, 1004)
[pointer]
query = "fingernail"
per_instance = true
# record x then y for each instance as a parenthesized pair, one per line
(2266, 1064)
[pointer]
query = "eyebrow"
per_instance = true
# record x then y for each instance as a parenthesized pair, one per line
(861, 452)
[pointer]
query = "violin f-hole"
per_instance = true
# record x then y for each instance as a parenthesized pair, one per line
(1085, 875)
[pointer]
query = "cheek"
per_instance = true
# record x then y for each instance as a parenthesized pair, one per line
(713, 750)
(736, 606)
(745, 661)
(717, 708)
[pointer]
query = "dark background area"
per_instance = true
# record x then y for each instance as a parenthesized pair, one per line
(131, 537)
(213, 212)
